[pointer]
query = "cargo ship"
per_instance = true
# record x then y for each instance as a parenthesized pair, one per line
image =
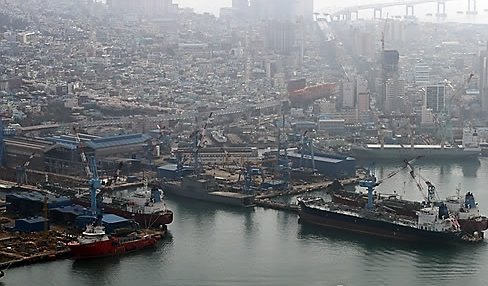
(464, 209)
(145, 207)
(205, 188)
(395, 152)
(432, 224)
(95, 243)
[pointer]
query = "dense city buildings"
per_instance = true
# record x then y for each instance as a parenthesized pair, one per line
(117, 69)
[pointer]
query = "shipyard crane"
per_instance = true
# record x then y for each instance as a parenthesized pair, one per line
(92, 174)
(283, 167)
(248, 172)
(307, 142)
(198, 143)
(371, 182)
(20, 171)
(113, 180)
(151, 146)
(431, 196)
(116, 175)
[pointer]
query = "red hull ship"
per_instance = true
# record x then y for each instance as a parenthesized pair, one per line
(147, 208)
(95, 243)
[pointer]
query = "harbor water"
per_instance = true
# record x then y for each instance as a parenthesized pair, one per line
(219, 245)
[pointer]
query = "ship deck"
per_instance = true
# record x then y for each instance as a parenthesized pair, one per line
(363, 213)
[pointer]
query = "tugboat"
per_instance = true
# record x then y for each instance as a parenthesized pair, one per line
(95, 243)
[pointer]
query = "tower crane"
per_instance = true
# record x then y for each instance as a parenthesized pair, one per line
(431, 196)
(371, 182)
(198, 143)
(20, 171)
(3, 153)
(283, 166)
(307, 145)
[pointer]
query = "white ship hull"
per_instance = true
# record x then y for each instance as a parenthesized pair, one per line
(399, 152)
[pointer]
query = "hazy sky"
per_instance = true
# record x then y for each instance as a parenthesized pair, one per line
(213, 6)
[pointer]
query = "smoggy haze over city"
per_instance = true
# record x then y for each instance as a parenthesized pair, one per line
(213, 6)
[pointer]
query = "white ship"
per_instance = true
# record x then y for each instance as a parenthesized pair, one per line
(469, 149)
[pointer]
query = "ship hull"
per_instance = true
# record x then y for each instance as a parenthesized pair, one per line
(407, 153)
(111, 247)
(371, 227)
(474, 225)
(94, 250)
(175, 190)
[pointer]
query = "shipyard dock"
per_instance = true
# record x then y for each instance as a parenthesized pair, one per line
(20, 249)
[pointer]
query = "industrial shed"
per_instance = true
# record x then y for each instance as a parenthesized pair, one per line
(31, 224)
(32, 203)
(333, 167)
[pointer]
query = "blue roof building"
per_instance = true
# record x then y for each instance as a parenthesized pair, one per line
(32, 224)
(65, 158)
(32, 203)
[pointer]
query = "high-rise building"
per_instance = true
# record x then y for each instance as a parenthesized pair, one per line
(362, 94)
(348, 94)
(435, 96)
(282, 10)
(240, 7)
(389, 62)
(422, 74)
(395, 90)
(147, 8)
(394, 33)
(483, 80)
(280, 36)
(363, 43)
(389, 76)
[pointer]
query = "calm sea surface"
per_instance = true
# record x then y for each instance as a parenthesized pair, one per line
(218, 245)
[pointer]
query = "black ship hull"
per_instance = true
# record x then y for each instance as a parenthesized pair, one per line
(373, 227)
(225, 198)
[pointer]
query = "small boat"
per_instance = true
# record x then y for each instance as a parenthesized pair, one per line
(95, 243)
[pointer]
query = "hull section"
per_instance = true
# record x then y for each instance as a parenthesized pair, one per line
(478, 224)
(407, 153)
(94, 250)
(111, 247)
(209, 196)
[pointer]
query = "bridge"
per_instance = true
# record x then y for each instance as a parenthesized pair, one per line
(347, 13)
